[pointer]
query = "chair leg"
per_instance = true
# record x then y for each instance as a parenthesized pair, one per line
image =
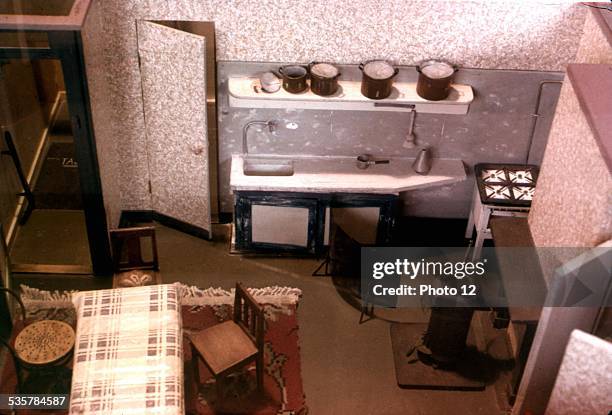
(366, 310)
(259, 368)
(323, 265)
(195, 365)
(219, 387)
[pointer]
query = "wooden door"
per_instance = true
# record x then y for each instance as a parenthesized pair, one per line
(173, 76)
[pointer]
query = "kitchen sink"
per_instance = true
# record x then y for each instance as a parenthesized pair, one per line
(267, 167)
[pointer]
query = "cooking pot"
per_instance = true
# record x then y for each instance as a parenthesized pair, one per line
(269, 82)
(323, 78)
(434, 79)
(294, 78)
(377, 79)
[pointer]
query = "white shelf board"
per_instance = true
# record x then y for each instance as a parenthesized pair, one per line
(247, 93)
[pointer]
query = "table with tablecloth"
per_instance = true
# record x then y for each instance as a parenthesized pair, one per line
(128, 352)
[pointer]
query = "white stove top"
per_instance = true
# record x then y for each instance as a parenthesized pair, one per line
(506, 183)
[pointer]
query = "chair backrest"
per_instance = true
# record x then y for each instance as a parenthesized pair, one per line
(130, 239)
(249, 315)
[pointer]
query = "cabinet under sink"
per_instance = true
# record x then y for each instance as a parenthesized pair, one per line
(285, 203)
(293, 222)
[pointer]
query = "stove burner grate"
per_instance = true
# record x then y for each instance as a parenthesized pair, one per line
(506, 184)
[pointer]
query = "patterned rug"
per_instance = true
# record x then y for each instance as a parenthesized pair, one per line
(283, 391)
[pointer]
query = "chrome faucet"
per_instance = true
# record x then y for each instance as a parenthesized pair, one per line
(271, 124)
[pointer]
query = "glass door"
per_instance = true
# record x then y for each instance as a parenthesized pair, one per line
(41, 201)
(51, 203)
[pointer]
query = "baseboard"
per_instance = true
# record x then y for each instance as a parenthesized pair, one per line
(129, 217)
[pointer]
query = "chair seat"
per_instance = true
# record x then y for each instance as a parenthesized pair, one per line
(223, 346)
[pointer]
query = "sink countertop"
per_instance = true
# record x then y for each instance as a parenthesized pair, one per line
(321, 174)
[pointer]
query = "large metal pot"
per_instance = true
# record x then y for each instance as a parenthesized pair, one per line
(323, 78)
(434, 79)
(377, 79)
(294, 78)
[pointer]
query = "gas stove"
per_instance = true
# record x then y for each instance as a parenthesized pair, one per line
(506, 184)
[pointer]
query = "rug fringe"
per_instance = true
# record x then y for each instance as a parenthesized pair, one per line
(34, 298)
(276, 295)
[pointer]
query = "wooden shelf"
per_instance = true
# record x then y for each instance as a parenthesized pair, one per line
(246, 93)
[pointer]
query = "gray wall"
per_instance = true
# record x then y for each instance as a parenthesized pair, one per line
(496, 129)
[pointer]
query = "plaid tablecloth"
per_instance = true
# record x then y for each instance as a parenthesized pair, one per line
(128, 356)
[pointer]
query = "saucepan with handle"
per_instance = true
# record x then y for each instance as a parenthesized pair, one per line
(366, 160)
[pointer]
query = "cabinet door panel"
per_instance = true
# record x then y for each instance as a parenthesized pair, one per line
(280, 225)
(360, 223)
(173, 75)
(278, 222)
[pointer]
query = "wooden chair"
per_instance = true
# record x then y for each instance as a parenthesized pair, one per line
(127, 250)
(229, 346)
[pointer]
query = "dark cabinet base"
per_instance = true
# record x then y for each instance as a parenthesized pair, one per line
(311, 209)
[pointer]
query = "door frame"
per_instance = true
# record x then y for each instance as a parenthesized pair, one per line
(67, 47)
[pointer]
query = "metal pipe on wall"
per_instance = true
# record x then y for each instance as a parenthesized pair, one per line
(536, 115)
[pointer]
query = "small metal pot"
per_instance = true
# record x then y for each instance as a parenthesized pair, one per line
(323, 78)
(366, 160)
(377, 79)
(269, 82)
(294, 78)
(435, 79)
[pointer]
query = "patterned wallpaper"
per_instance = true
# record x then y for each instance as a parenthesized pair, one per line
(594, 46)
(102, 112)
(573, 205)
(476, 34)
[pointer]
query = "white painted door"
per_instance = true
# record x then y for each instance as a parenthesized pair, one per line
(173, 73)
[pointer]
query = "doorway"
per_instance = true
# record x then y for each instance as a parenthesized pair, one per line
(51, 203)
(48, 226)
